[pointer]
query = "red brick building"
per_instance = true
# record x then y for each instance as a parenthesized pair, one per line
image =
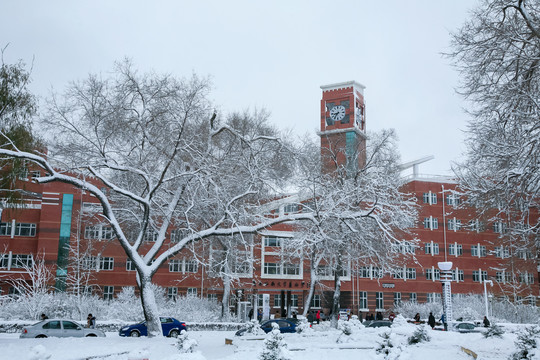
(57, 214)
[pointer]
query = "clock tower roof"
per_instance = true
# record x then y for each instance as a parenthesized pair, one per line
(343, 85)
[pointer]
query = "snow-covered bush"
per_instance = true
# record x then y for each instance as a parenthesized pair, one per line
(39, 352)
(253, 328)
(274, 346)
(494, 331)
(356, 324)
(385, 346)
(125, 306)
(527, 344)
(184, 344)
(346, 331)
(304, 327)
(419, 335)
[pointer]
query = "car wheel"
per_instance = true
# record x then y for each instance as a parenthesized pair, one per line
(41, 336)
(134, 333)
(174, 333)
(91, 335)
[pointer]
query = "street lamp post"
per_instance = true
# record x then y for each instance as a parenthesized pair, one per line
(446, 278)
(486, 295)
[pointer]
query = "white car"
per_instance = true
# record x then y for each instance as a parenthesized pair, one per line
(59, 328)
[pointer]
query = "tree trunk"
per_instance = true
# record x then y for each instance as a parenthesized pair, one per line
(226, 295)
(335, 303)
(149, 305)
(307, 300)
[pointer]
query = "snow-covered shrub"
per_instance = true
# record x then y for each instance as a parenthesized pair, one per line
(467, 314)
(419, 335)
(356, 324)
(253, 328)
(408, 309)
(386, 345)
(494, 331)
(304, 327)
(192, 308)
(184, 344)
(346, 331)
(527, 344)
(274, 346)
(39, 352)
(125, 306)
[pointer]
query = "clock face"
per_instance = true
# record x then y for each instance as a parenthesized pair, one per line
(337, 113)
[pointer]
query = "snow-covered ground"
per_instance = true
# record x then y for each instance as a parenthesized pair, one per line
(322, 343)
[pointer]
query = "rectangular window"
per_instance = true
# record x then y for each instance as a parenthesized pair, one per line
(452, 199)
(290, 208)
(4, 261)
(90, 263)
(108, 292)
(458, 275)
(294, 300)
(272, 241)
(478, 250)
(22, 261)
(192, 291)
(176, 235)
(324, 270)
(291, 269)
(476, 225)
(34, 174)
(191, 266)
(502, 252)
(316, 301)
(454, 224)
(213, 297)
(150, 235)
(130, 265)
(24, 229)
(397, 298)
(431, 223)
(479, 276)
(433, 274)
(503, 277)
(106, 263)
(455, 249)
(379, 300)
(277, 300)
(411, 273)
(429, 198)
(398, 274)
(362, 297)
(499, 227)
(98, 232)
(431, 248)
(5, 229)
(172, 293)
(413, 297)
(175, 265)
(433, 297)
(272, 269)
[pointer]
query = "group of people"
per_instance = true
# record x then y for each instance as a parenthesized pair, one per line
(90, 320)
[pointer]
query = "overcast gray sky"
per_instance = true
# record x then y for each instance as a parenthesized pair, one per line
(271, 54)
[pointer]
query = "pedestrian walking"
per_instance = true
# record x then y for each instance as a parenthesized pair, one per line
(431, 320)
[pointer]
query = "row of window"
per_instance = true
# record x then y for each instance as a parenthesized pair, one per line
(431, 199)
(9, 261)
(17, 229)
(454, 224)
(477, 250)
(481, 275)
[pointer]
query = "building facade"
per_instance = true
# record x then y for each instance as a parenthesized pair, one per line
(62, 227)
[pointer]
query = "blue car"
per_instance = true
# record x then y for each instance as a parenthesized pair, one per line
(170, 326)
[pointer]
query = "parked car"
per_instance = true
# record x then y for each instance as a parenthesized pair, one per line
(285, 326)
(170, 327)
(467, 327)
(379, 323)
(59, 328)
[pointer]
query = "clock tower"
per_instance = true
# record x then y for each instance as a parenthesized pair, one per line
(343, 128)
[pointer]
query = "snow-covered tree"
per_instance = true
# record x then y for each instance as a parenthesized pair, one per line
(149, 149)
(362, 217)
(274, 348)
(496, 53)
